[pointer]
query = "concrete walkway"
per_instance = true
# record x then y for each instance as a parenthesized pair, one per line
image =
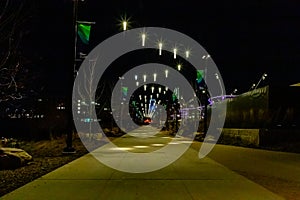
(186, 178)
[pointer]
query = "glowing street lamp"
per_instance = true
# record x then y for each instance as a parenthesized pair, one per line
(234, 91)
(124, 25)
(159, 89)
(175, 52)
(252, 86)
(262, 78)
(135, 77)
(154, 77)
(145, 77)
(179, 67)
(143, 39)
(205, 57)
(160, 48)
(187, 54)
(145, 87)
(166, 73)
(137, 83)
(152, 89)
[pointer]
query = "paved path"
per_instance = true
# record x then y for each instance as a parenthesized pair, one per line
(186, 178)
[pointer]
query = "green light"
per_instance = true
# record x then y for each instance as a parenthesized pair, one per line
(84, 31)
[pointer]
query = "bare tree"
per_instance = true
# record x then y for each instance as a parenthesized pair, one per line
(13, 72)
(92, 95)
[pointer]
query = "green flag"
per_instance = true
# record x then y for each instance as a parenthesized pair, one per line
(200, 75)
(124, 91)
(84, 31)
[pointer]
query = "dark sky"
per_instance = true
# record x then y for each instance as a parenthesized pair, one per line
(244, 38)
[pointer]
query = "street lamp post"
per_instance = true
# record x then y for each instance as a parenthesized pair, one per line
(205, 57)
(69, 148)
(263, 77)
(205, 93)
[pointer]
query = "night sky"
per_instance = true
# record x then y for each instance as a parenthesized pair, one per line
(244, 38)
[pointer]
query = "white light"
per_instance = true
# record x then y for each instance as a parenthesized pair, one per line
(206, 56)
(175, 52)
(140, 97)
(143, 39)
(217, 76)
(167, 88)
(166, 72)
(152, 89)
(164, 92)
(137, 83)
(140, 147)
(145, 77)
(157, 95)
(124, 25)
(121, 148)
(154, 77)
(159, 89)
(179, 67)
(135, 77)
(151, 96)
(157, 145)
(160, 48)
(187, 54)
(145, 87)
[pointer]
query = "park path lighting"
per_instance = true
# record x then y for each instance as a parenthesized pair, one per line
(187, 54)
(154, 77)
(179, 67)
(145, 78)
(175, 53)
(124, 25)
(143, 39)
(234, 91)
(205, 57)
(137, 84)
(252, 86)
(152, 89)
(218, 78)
(145, 87)
(160, 47)
(159, 89)
(263, 77)
(166, 73)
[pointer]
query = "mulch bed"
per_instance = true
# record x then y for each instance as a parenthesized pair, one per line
(47, 156)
